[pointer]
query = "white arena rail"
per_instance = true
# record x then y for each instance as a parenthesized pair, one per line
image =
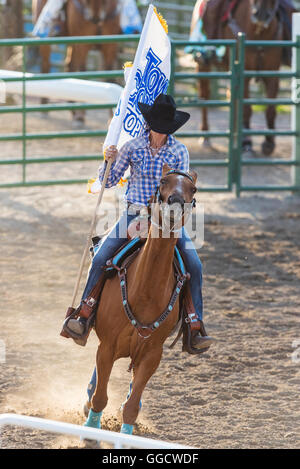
(67, 89)
(118, 439)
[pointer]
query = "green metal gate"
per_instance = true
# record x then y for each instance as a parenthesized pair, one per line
(235, 163)
(229, 134)
(234, 134)
(295, 160)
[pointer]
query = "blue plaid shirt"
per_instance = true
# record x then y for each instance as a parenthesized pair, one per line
(145, 169)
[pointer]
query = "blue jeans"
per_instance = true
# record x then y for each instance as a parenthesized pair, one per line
(118, 236)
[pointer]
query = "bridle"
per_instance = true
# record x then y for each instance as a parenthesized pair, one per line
(158, 199)
(157, 196)
(265, 25)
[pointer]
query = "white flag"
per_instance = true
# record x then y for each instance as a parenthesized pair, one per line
(149, 76)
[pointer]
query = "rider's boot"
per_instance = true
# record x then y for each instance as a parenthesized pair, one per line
(195, 339)
(200, 339)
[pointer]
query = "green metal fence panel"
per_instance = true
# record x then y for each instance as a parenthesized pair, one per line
(231, 78)
(235, 133)
(294, 163)
(296, 122)
(25, 136)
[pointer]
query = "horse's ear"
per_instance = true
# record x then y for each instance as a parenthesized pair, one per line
(194, 175)
(166, 169)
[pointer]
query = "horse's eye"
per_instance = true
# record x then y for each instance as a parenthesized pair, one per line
(163, 181)
(194, 190)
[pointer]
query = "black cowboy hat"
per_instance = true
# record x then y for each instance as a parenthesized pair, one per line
(162, 115)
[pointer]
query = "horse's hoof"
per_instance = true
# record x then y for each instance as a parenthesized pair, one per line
(93, 421)
(267, 147)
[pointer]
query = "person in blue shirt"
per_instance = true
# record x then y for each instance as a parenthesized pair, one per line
(145, 156)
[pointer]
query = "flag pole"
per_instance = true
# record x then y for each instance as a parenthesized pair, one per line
(90, 234)
(117, 131)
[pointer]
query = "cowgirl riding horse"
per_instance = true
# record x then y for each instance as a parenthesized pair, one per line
(146, 156)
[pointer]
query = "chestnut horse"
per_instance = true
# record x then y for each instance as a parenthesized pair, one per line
(84, 18)
(259, 20)
(150, 283)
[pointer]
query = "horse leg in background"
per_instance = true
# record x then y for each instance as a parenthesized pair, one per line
(142, 373)
(90, 391)
(203, 86)
(76, 62)
(247, 114)
(272, 88)
(110, 50)
(45, 52)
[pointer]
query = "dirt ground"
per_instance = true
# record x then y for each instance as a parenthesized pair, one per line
(244, 393)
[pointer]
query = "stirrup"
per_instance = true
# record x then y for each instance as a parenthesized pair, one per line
(187, 345)
(80, 339)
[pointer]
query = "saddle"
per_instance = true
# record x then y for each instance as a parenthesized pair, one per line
(117, 265)
(216, 13)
